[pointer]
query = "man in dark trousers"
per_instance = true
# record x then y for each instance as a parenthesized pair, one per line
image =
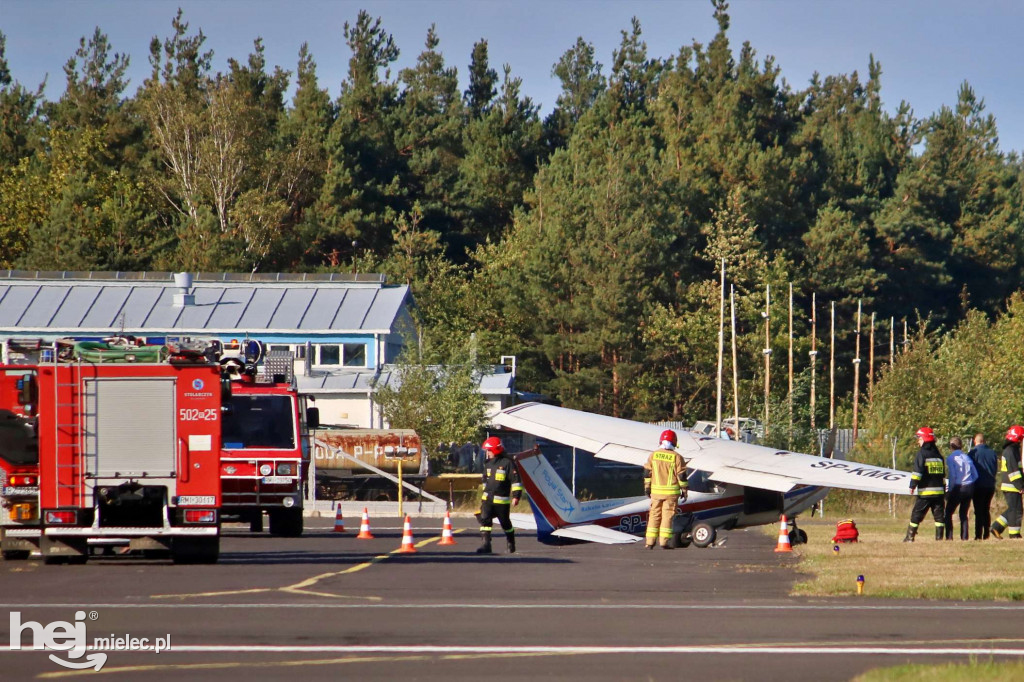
(984, 459)
(501, 490)
(960, 490)
(1012, 484)
(927, 482)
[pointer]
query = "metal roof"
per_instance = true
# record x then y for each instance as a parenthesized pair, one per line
(498, 382)
(145, 303)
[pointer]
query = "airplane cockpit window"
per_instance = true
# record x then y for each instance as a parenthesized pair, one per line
(699, 482)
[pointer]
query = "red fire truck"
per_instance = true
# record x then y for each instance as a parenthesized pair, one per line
(262, 465)
(127, 448)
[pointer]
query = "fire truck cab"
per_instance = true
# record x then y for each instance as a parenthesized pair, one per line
(262, 464)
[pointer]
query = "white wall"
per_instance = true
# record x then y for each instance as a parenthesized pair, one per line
(346, 409)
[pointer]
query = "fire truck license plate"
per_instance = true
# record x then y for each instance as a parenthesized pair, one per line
(275, 479)
(196, 500)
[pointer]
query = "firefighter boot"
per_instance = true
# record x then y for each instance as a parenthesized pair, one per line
(510, 537)
(911, 532)
(485, 547)
(940, 533)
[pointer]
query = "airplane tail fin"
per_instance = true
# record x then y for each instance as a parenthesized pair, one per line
(553, 504)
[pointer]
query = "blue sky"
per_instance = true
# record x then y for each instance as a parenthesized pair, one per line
(927, 48)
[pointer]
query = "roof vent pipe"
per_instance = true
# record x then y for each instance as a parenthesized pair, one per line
(184, 297)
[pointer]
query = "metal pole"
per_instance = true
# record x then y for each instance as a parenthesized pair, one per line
(574, 472)
(814, 354)
(401, 491)
(892, 340)
(735, 369)
(832, 372)
(721, 351)
(790, 364)
(767, 355)
(856, 377)
(871, 364)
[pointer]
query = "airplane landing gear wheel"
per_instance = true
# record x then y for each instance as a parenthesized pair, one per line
(703, 534)
(683, 540)
(798, 537)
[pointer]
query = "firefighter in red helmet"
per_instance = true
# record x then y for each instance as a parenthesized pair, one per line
(664, 483)
(927, 482)
(501, 490)
(1012, 485)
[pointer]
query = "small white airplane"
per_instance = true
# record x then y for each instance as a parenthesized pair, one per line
(731, 484)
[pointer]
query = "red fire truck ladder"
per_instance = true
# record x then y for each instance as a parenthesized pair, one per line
(69, 433)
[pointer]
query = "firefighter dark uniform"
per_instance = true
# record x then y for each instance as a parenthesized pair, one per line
(926, 480)
(1012, 484)
(664, 482)
(501, 489)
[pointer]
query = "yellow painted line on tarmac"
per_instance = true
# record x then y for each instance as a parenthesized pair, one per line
(300, 587)
(228, 665)
(257, 590)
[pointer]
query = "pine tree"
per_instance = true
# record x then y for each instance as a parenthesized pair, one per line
(363, 190)
(582, 83)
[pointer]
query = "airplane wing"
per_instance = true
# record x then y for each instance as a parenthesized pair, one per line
(725, 461)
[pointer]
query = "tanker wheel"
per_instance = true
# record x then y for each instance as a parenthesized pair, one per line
(15, 554)
(286, 523)
(703, 534)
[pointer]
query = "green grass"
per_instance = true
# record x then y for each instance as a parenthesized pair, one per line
(925, 569)
(949, 672)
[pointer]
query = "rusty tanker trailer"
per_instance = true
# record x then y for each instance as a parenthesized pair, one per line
(361, 464)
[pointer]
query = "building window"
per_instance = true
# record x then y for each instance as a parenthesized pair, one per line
(355, 354)
(328, 354)
(345, 354)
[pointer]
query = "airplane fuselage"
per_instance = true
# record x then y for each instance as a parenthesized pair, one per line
(723, 509)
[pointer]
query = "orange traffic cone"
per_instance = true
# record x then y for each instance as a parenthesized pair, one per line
(364, 527)
(783, 545)
(407, 546)
(339, 522)
(446, 531)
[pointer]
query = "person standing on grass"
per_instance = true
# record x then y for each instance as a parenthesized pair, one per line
(926, 481)
(960, 488)
(1012, 485)
(985, 462)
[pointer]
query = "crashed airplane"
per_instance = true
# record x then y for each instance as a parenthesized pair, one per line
(731, 484)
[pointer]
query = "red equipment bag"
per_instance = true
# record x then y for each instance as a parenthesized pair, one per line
(846, 531)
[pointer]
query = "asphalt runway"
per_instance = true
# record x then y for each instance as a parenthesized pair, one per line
(329, 606)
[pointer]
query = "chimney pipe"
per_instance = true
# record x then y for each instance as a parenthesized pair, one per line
(184, 297)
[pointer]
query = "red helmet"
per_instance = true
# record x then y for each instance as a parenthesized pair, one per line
(669, 435)
(493, 445)
(926, 434)
(1015, 434)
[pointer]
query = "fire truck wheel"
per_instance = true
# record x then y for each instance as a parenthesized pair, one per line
(256, 523)
(195, 550)
(16, 554)
(286, 522)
